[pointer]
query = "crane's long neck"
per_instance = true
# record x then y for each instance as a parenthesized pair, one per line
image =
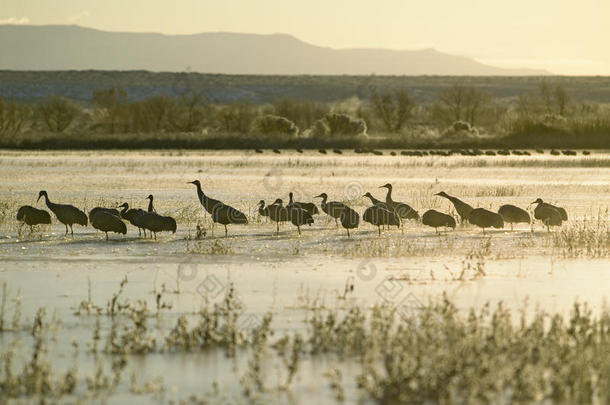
(124, 210)
(48, 202)
(323, 203)
(202, 197)
(151, 208)
(388, 196)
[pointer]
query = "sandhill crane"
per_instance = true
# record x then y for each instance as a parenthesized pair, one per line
(331, 208)
(550, 215)
(562, 211)
(485, 219)
(278, 213)
(375, 201)
(437, 219)
(461, 207)
(377, 215)
(107, 222)
(66, 214)
(131, 215)
(32, 216)
(155, 223)
(225, 215)
(151, 208)
(401, 209)
(311, 208)
(207, 202)
(111, 211)
(221, 213)
(297, 215)
(262, 210)
(514, 215)
(349, 219)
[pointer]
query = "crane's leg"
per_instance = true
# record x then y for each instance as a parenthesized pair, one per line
(347, 233)
(336, 223)
(139, 232)
(226, 232)
(511, 226)
(106, 236)
(379, 229)
(31, 229)
(155, 235)
(66, 230)
(299, 229)
(71, 231)
(277, 232)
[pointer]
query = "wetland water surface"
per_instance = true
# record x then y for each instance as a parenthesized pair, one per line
(286, 274)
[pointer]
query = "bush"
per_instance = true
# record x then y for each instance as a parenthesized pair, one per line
(274, 125)
(338, 124)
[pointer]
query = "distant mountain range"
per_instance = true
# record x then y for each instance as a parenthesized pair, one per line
(69, 47)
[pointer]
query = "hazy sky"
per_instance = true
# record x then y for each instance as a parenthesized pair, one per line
(564, 36)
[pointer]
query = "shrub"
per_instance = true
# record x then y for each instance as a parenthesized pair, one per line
(274, 125)
(338, 124)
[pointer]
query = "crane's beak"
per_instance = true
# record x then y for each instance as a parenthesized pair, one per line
(39, 195)
(318, 196)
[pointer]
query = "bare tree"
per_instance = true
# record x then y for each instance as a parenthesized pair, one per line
(460, 103)
(392, 108)
(12, 117)
(188, 112)
(112, 107)
(561, 99)
(57, 113)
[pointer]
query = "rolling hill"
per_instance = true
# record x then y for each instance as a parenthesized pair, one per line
(69, 47)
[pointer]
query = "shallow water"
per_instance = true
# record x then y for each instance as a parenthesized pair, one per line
(284, 273)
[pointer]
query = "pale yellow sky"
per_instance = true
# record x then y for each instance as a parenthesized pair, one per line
(563, 36)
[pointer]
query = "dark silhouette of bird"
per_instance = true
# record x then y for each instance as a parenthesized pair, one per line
(276, 151)
(32, 216)
(337, 151)
(549, 214)
(514, 215)
(225, 215)
(562, 211)
(437, 219)
(299, 150)
(65, 213)
(404, 211)
(297, 215)
(485, 219)
(461, 207)
(379, 216)
(221, 213)
(311, 208)
(155, 223)
(350, 219)
(331, 208)
(322, 151)
(375, 201)
(262, 210)
(131, 215)
(107, 222)
(111, 211)
(151, 207)
(277, 213)
(207, 202)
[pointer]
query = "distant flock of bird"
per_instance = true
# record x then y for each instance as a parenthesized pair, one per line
(449, 152)
(380, 214)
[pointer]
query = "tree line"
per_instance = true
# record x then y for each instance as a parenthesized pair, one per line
(459, 110)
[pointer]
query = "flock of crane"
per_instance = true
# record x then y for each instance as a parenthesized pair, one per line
(379, 214)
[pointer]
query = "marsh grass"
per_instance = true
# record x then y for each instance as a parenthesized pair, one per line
(433, 353)
(589, 237)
